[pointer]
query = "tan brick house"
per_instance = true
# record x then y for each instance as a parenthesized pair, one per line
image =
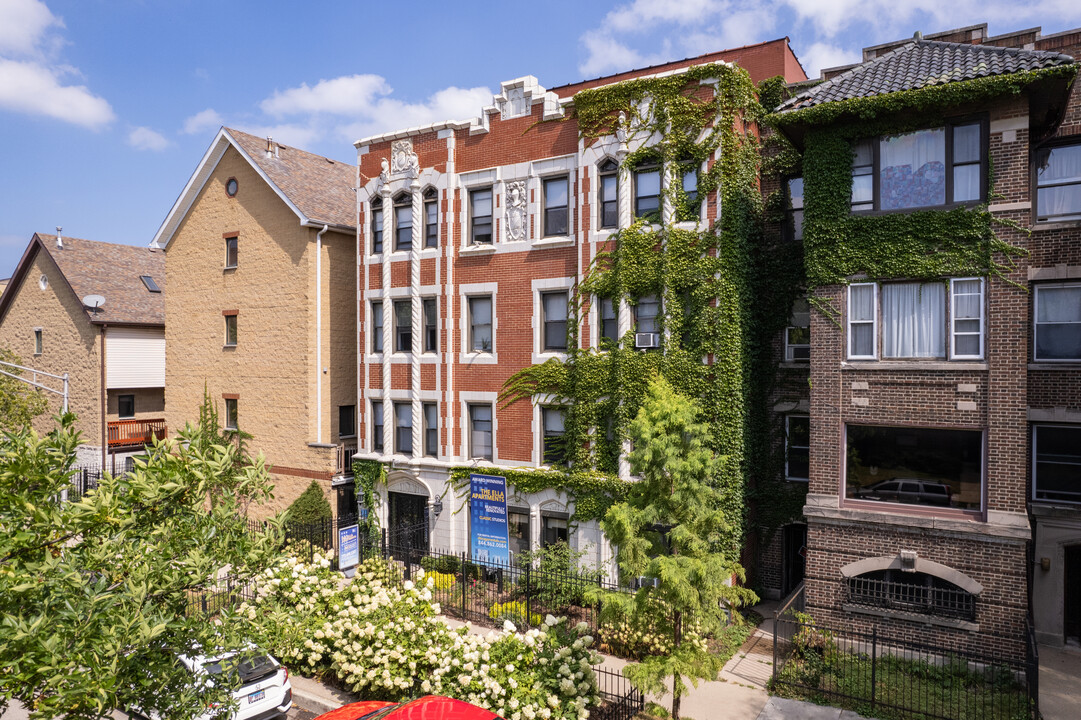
(113, 354)
(944, 412)
(261, 249)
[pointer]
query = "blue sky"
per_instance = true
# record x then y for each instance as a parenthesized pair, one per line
(106, 106)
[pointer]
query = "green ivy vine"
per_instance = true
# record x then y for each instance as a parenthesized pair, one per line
(367, 474)
(701, 276)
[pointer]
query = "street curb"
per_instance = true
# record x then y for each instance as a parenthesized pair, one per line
(311, 695)
(313, 703)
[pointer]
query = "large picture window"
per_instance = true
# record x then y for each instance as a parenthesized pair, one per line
(915, 320)
(1058, 322)
(925, 168)
(931, 467)
(1056, 463)
(1058, 183)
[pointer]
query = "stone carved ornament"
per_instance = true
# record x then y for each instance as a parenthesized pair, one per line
(516, 210)
(403, 159)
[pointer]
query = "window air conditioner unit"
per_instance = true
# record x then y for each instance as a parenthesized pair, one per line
(647, 340)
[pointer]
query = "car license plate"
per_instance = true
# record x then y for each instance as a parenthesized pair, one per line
(256, 696)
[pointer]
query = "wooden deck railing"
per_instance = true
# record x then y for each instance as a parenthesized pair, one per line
(125, 433)
(346, 451)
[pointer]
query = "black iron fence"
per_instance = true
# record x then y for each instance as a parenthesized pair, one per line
(225, 592)
(619, 699)
(881, 675)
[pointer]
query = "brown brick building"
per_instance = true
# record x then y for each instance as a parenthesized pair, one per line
(113, 352)
(260, 248)
(944, 415)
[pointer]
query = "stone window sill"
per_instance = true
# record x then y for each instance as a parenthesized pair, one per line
(477, 250)
(1067, 365)
(954, 623)
(553, 242)
(917, 365)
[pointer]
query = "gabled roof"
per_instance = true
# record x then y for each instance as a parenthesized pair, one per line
(100, 268)
(923, 63)
(317, 189)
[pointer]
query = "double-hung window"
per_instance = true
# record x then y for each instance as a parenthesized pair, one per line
(403, 223)
(480, 216)
(608, 200)
(431, 218)
(377, 226)
(431, 326)
(1056, 463)
(1058, 183)
(556, 202)
(647, 326)
(377, 425)
(480, 431)
(647, 192)
(403, 326)
(912, 320)
(794, 213)
(431, 429)
(797, 458)
(554, 447)
(1058, 322)
(689, 175)
(797, 336)
(403, 428)
(608, 316)
(347, 421)
(925, 168)
(377, 326)
(480, 324)
(554, 309)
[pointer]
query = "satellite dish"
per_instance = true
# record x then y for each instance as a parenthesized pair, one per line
(94, 302)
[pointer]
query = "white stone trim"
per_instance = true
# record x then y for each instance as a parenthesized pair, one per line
(466, 355)
(540, 286)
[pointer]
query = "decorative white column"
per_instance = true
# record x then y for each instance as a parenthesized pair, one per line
(388, 324)
(417, 308)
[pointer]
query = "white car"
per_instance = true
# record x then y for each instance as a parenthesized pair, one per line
(264, 692)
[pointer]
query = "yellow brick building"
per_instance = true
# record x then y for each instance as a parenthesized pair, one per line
(261, 252)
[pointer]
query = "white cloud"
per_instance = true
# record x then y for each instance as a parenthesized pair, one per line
(36, 90)
(641, 15)
(452, 103)
(208, 119)
(31, 76)
(143, 138)
(23, 24)
(824, 55)
(346, 95)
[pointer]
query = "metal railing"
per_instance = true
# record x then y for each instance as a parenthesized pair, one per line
(344, 462)
(132, 433)
(911, 597)
(619, 699)
(882, 675)
(12, 370)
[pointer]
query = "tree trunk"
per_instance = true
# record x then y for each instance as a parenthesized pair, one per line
(677, 638)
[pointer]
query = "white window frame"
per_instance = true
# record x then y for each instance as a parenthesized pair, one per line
(787, 445)
(953, 319)
(873, 322)
(429, 428)
(382, 425)
(597, 310)
(1036, 314)
(403, 405)
(377, 313)
(469, 425)
(788, 347)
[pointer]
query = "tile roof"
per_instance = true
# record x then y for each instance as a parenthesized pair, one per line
(319, 187)
(114, 272)
(922, 63)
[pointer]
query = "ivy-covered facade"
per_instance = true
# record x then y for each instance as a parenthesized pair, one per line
(936, 235)
(523, 275)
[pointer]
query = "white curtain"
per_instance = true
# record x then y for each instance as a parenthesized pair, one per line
(913, 320)
(1062, 167)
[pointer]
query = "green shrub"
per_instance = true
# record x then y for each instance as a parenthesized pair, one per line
(644, 634)
(310, 507)
(515, 611)
(443, 581)
(559, 579)
(449, 564)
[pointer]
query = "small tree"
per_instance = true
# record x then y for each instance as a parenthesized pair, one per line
(671, 528)
(99, 597)
(19, 403)
(310, 507)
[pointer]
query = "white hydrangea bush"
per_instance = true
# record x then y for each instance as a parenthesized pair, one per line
(380, 636)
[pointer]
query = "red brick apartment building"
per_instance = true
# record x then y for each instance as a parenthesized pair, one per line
(941, 435)
(471, 238)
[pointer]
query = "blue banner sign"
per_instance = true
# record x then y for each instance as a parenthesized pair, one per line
(348, 547)
(489, 542)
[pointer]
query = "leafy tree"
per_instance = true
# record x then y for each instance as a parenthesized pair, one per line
(672, 528)
(99, 597)
(310, 507)
(19, 403)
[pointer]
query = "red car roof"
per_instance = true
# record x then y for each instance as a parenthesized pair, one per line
(430, 707)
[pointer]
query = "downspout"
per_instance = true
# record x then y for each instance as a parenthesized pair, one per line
(104, 416)
(319, 334)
